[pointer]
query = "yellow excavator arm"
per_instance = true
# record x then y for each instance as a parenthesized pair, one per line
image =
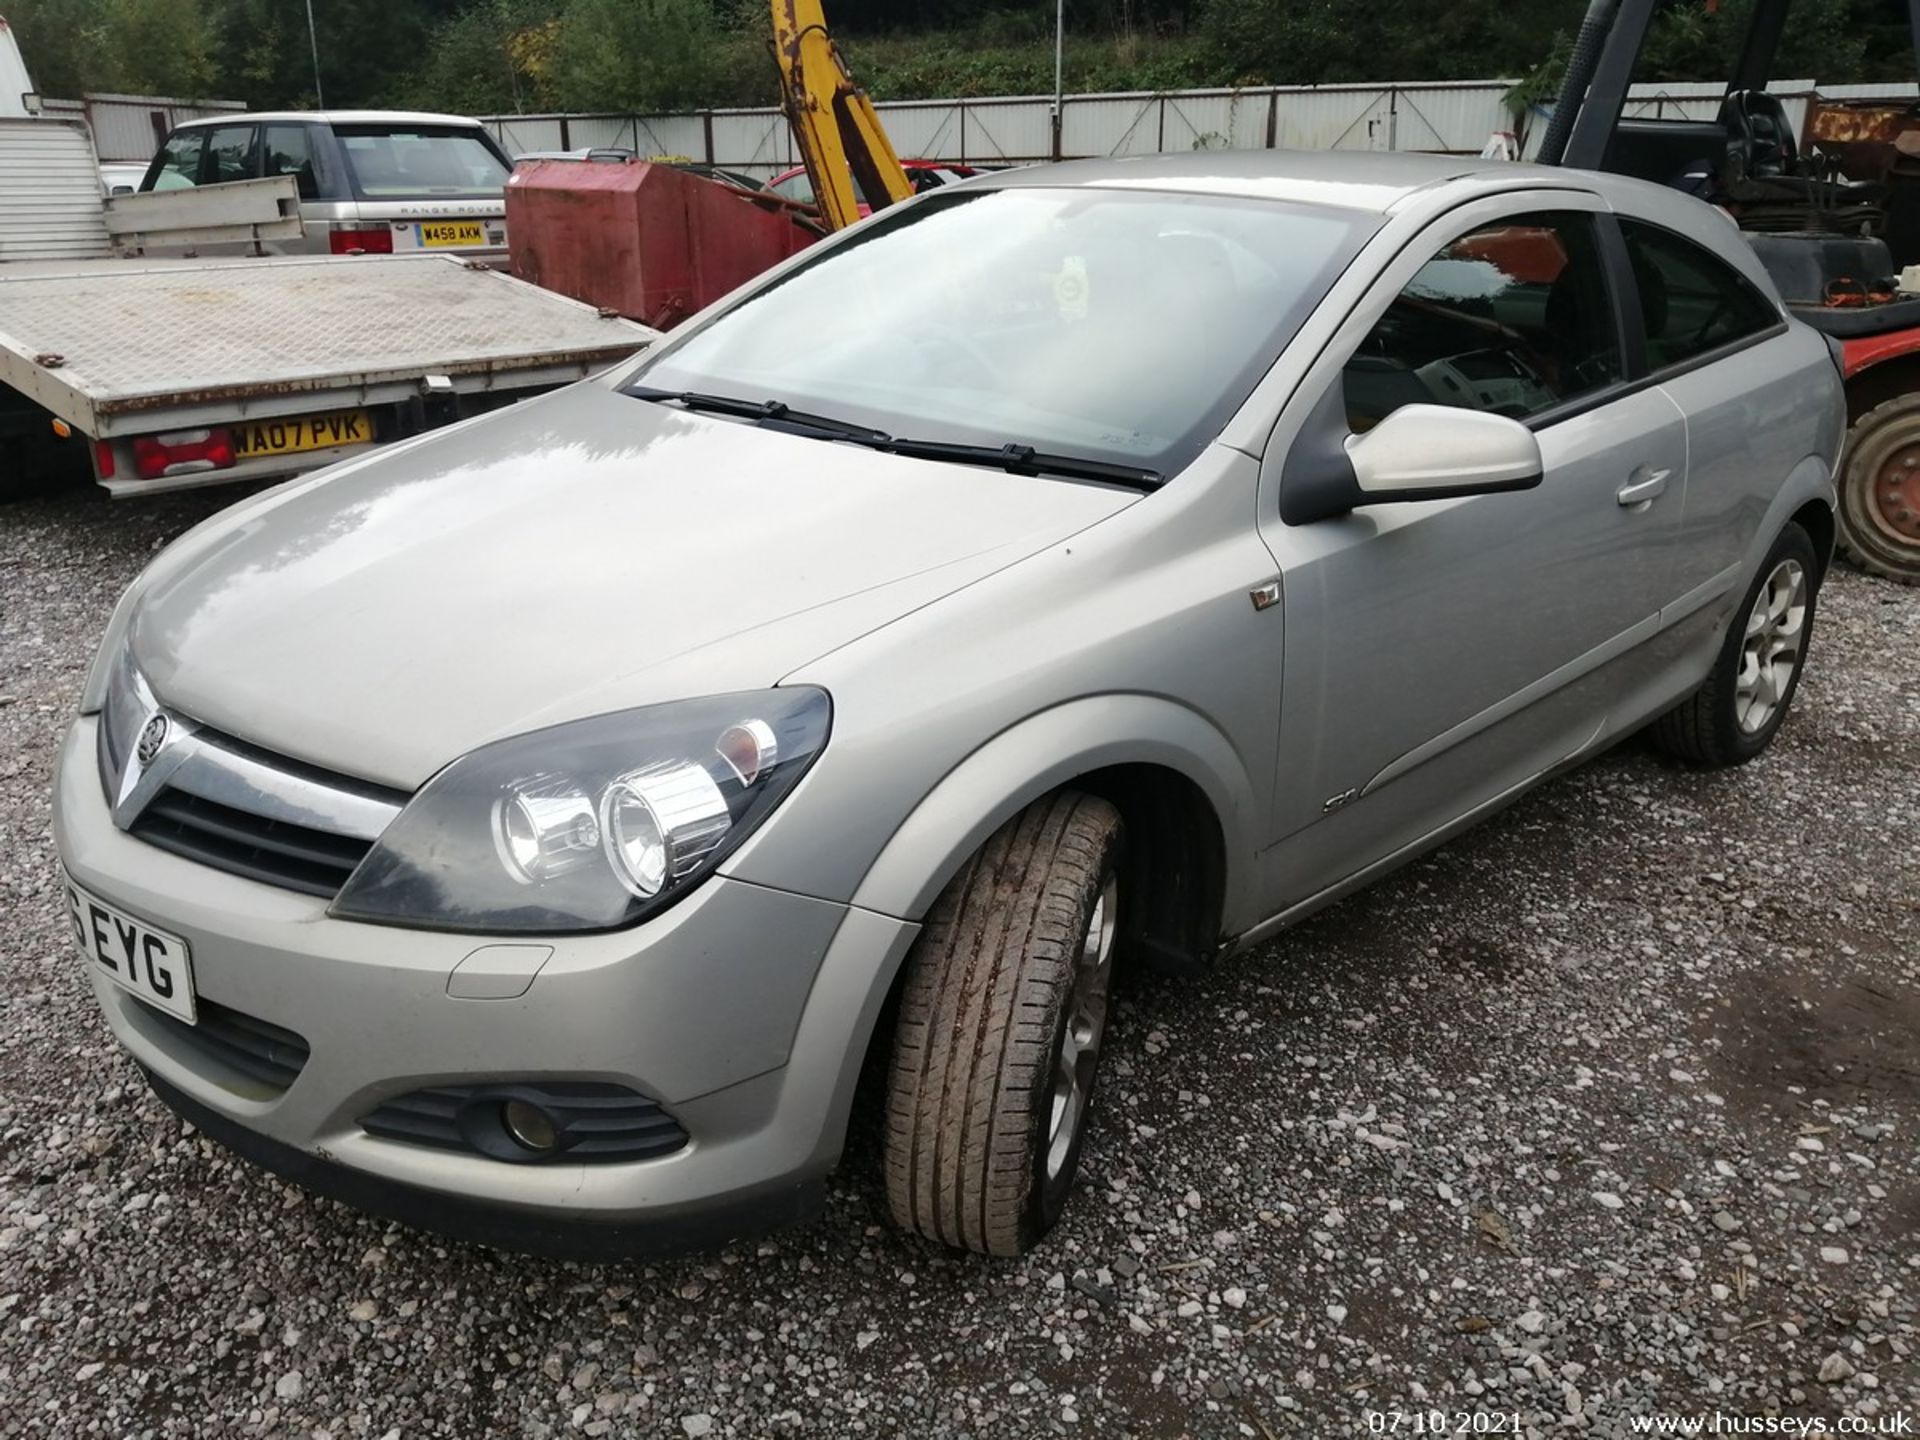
(834, 123)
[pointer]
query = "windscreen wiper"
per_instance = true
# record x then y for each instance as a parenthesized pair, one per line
(1025, 460)
(776, 413)
(1015, 459)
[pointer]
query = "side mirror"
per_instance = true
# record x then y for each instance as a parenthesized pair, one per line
(1419, 452)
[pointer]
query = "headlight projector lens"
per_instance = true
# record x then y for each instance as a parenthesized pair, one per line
(544, 827)
(660, 823)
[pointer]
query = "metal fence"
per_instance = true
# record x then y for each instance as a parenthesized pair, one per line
(1453, 116)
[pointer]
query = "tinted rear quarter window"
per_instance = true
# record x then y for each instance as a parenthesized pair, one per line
(289, 150)
(1691, 301)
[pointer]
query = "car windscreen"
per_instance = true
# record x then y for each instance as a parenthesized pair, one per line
(1112, 325)
(416, 162)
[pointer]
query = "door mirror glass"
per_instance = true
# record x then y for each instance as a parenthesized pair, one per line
(1429, 452)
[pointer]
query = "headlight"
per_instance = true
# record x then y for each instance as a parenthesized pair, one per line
(590, 825)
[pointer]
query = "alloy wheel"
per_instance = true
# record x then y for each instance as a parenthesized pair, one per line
(1771, 651)
(1086, 1026)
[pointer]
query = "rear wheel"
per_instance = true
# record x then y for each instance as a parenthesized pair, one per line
(1001, 1022)
(1737, 710)
(1880, 491)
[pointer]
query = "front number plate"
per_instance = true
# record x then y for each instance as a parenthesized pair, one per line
(292, 434)
(147, 963)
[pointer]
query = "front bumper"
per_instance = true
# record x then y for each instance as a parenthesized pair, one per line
(744, 1011)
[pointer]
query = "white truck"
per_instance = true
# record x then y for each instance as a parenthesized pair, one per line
(153, 375)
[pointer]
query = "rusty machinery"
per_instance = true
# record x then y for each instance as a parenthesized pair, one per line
(1833, 210)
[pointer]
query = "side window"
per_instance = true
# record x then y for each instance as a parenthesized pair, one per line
(229, 155)
(1514, 317)
(288, 150)
(1691, 301)
(177, 166)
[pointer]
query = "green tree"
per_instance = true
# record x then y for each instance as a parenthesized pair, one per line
(652, 55)
(155, 47)
(53, 38)
(494, 57)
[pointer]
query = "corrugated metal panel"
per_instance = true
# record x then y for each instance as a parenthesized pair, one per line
(602, 132)
(755, 141)
(1103, 125)
(50, 204)
(1335, 119)
(1701, 100)
(670, 136)
(131, 127)
(1872, 90)
(1453, 116)
(929, 131)
(1000, 134)
(128, 132)
(519, 134)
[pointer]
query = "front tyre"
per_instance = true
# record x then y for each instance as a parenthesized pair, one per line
(1001, 1021)
(1738, 709)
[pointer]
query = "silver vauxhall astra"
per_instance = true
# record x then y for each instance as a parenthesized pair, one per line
(533, 830)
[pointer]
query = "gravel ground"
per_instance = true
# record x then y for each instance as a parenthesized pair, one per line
(1604, 1111)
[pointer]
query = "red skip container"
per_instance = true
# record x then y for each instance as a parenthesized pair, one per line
(649, 241)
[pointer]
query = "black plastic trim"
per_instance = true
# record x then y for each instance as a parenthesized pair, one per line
(258, 1049)
(581, 1237)
(596, 1123)
(1316, 479)
(273, 852)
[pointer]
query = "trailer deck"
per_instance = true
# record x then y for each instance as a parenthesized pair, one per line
(124, 347)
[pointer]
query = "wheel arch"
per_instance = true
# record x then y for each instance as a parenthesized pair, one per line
(1817, 519)
(1162, 764)
(1807, 498)
(1181, 792)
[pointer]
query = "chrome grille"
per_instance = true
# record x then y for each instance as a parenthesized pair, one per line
(228, 804)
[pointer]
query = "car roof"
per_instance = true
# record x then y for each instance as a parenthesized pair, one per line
(1361, 180)
(332, 117)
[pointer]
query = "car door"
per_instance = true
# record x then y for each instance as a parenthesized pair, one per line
(1748, 407)
(1439, 654)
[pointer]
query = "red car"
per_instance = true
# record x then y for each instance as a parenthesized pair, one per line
(925, 174)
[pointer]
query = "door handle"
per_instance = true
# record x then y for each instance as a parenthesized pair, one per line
(1645, 487)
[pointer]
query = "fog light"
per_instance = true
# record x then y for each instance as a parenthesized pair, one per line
(529, 1125)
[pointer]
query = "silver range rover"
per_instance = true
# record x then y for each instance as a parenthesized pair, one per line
(371, 182)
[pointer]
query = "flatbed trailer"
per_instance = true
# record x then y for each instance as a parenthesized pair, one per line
(194, 373)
